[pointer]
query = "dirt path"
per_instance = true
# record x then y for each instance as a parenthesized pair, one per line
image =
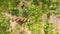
(15, 27)
(56, 21)
(52, 19)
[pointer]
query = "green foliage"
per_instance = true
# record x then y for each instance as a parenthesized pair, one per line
(34, 12)
(4, 24)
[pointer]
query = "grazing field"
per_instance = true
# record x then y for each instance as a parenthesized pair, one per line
(29, 16)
